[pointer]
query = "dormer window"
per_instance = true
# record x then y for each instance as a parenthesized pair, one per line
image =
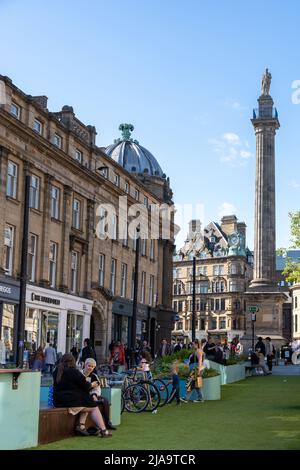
(38, 126)
(126, 187)
(57, 140)
(137, 194)
(15, 110)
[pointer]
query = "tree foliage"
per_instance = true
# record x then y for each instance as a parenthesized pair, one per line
(292, 269)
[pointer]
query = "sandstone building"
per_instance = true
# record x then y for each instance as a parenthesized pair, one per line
(78, 284)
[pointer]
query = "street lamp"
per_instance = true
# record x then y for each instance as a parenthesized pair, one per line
(23, 276)
(194, 301)
(135, 296)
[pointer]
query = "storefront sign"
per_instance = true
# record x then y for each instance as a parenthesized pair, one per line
(42, 298)
(9, 291)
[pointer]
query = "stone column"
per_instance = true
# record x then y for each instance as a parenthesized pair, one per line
(265, 123)
(44, 278)
(3, 179)
(65, 247)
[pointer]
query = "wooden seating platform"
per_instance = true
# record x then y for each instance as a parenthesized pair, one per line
(56, 424)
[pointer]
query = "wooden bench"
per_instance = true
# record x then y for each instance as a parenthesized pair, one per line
(56, 424)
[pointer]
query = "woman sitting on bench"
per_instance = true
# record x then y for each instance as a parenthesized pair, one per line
(71, 390)
(91, 377)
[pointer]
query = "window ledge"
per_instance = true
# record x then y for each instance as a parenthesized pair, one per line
(57, 221)
(12, 199)
(35, 211)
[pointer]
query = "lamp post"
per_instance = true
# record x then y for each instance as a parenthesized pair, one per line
(194, 300)
(135, 296)
(23, 277)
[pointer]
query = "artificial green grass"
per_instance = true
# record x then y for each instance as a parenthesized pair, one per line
(256, 413)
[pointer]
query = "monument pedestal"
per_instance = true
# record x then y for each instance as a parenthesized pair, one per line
(268, 317)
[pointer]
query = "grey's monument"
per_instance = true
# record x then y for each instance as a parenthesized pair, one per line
(263, 291)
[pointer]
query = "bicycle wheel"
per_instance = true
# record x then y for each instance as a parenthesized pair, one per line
(104, 369)
(163, 390)
(153, 394)
(136, 398)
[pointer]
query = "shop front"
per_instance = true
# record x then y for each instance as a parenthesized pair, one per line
(9, 300)
(122, 321)
(56, 318)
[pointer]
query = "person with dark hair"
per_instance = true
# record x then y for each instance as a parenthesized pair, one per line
(87, 351)
(71, 390)
(39, 358)
(117, 357)
(210, 349)
(165, 349)
(270, 353)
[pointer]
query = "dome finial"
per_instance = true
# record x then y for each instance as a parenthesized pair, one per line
(126, 130)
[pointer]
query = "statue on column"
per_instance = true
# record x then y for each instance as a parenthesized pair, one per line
(265, 83)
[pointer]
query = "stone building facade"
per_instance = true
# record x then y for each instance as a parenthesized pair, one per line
(295, 290)
(223, 272)
(78, 284)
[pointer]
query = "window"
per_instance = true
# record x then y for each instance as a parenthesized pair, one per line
(76, 214)
(152, 249)
(233, 268)
(296, 302)
(233, 287)
(12, 174)
(180, 306)
(114, 223)
(57, 140)
(52, 264)
(126, 187)
(146, 201)
(212, 239)
(123, 279)
(101, 269)
(143, 287)
(32, 246)
(217, 304)
(202, 270)
(203, 305)
(8, 249)
(136, 194)
(104, 171)
(38, 126)
(203, 287)
(113, 275)
(144, 246)
(102, 223)
(15, 110)
(55, 197)
(213, 323)
(74, 271)
(151, 290)
(175, 307)
(296, 323)
(34, 192)
(222, 323)
(125, 236)
(222, 304)
(177, 289)
(202, 324)
(78, 156)
(218, 269)
(117, 180)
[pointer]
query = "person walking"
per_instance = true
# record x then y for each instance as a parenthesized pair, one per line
(50, 358)
(87, 351)
(39, 357)
(194, 381)
(270, 353)
(165, 349)
(260, 350)
(117, 357)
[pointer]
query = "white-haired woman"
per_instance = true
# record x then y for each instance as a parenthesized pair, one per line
(91, 376)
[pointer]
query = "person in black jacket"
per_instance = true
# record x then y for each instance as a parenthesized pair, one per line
(260, 346)
(87, 351)
(71, 390)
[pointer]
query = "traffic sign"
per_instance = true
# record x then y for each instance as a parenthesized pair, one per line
(253, 309)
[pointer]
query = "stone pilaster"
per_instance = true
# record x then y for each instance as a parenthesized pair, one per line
(44, 278)
(3, 180)
(65, 255)
(89, 250)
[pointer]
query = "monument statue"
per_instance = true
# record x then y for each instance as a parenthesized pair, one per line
(265, 83)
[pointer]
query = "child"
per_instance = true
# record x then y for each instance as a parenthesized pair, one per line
(175, 393)
(145, 364)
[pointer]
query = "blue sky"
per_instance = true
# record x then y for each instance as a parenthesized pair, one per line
(185, 73)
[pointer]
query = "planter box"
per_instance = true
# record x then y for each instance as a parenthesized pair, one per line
(211, 388)
(19, 409)
(229, 374)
